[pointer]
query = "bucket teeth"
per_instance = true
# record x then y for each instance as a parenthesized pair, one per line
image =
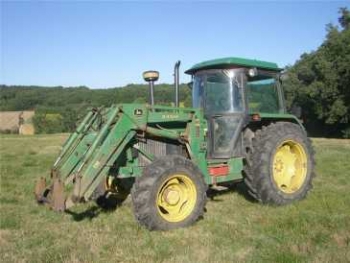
(57, 196)
(75, 196)
(40, 189)
(53, 195)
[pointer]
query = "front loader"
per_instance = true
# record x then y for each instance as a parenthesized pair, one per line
(168, 157)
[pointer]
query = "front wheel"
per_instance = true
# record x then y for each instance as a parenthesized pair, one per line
(171, 193)
(280, 165)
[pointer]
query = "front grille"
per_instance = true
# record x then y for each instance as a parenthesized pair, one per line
(156, 148)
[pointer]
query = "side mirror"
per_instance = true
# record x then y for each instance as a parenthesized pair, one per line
(190, 85)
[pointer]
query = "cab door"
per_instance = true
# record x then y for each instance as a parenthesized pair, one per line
(225, 110)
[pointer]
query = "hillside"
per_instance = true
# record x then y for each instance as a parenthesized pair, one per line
(37, 97)
(58, 108)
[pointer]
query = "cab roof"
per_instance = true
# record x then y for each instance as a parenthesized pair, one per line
(232, 62)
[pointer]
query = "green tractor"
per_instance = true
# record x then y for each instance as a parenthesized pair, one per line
(168, 157)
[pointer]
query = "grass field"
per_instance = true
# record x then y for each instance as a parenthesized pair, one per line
(234, 229)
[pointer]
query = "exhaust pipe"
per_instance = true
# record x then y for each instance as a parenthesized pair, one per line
(176, 82)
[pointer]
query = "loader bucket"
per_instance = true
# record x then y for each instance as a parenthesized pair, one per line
(86, 157)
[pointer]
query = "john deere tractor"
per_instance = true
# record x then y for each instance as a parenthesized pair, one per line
(168, 157)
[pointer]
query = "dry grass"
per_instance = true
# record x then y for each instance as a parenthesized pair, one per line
(234, 229)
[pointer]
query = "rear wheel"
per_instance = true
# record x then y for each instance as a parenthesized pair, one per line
(279, 168)
(171, 193)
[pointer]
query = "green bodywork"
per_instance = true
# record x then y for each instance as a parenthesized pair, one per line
(90, 154)
(230, 62)
(108, 142)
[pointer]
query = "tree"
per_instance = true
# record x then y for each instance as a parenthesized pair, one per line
(71, 103)
(319, 82)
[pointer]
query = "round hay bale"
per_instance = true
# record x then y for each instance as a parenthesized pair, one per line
(26, 129)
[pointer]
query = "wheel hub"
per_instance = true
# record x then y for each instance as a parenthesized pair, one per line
(176, 198)
(289, 166)
(172, 197)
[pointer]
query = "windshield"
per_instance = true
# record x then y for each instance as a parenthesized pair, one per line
(263, 96)
(218, 91)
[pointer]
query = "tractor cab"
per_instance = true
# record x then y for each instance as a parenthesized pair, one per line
(229, 91)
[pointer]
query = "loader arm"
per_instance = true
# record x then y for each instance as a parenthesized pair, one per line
(101, 138)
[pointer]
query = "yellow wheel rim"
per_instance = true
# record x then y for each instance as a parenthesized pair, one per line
(176, 198)
(289, 166)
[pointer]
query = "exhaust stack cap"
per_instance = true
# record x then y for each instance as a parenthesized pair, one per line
(150, 75)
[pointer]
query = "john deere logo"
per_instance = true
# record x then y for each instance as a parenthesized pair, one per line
(138, 112)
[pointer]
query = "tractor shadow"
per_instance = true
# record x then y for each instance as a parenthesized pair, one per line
(103, 205)
(239, 188)
(110, 204)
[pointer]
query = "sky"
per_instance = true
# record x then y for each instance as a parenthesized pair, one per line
(104, 44)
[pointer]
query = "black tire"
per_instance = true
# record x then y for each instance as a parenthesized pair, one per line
(147, 188)
(259, 167)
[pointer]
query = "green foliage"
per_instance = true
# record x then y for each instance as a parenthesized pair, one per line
(346, 133)
(319, 82)
(48, 122)
(344, 19)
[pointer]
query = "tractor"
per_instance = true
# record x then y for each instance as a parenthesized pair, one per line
(168, 157)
